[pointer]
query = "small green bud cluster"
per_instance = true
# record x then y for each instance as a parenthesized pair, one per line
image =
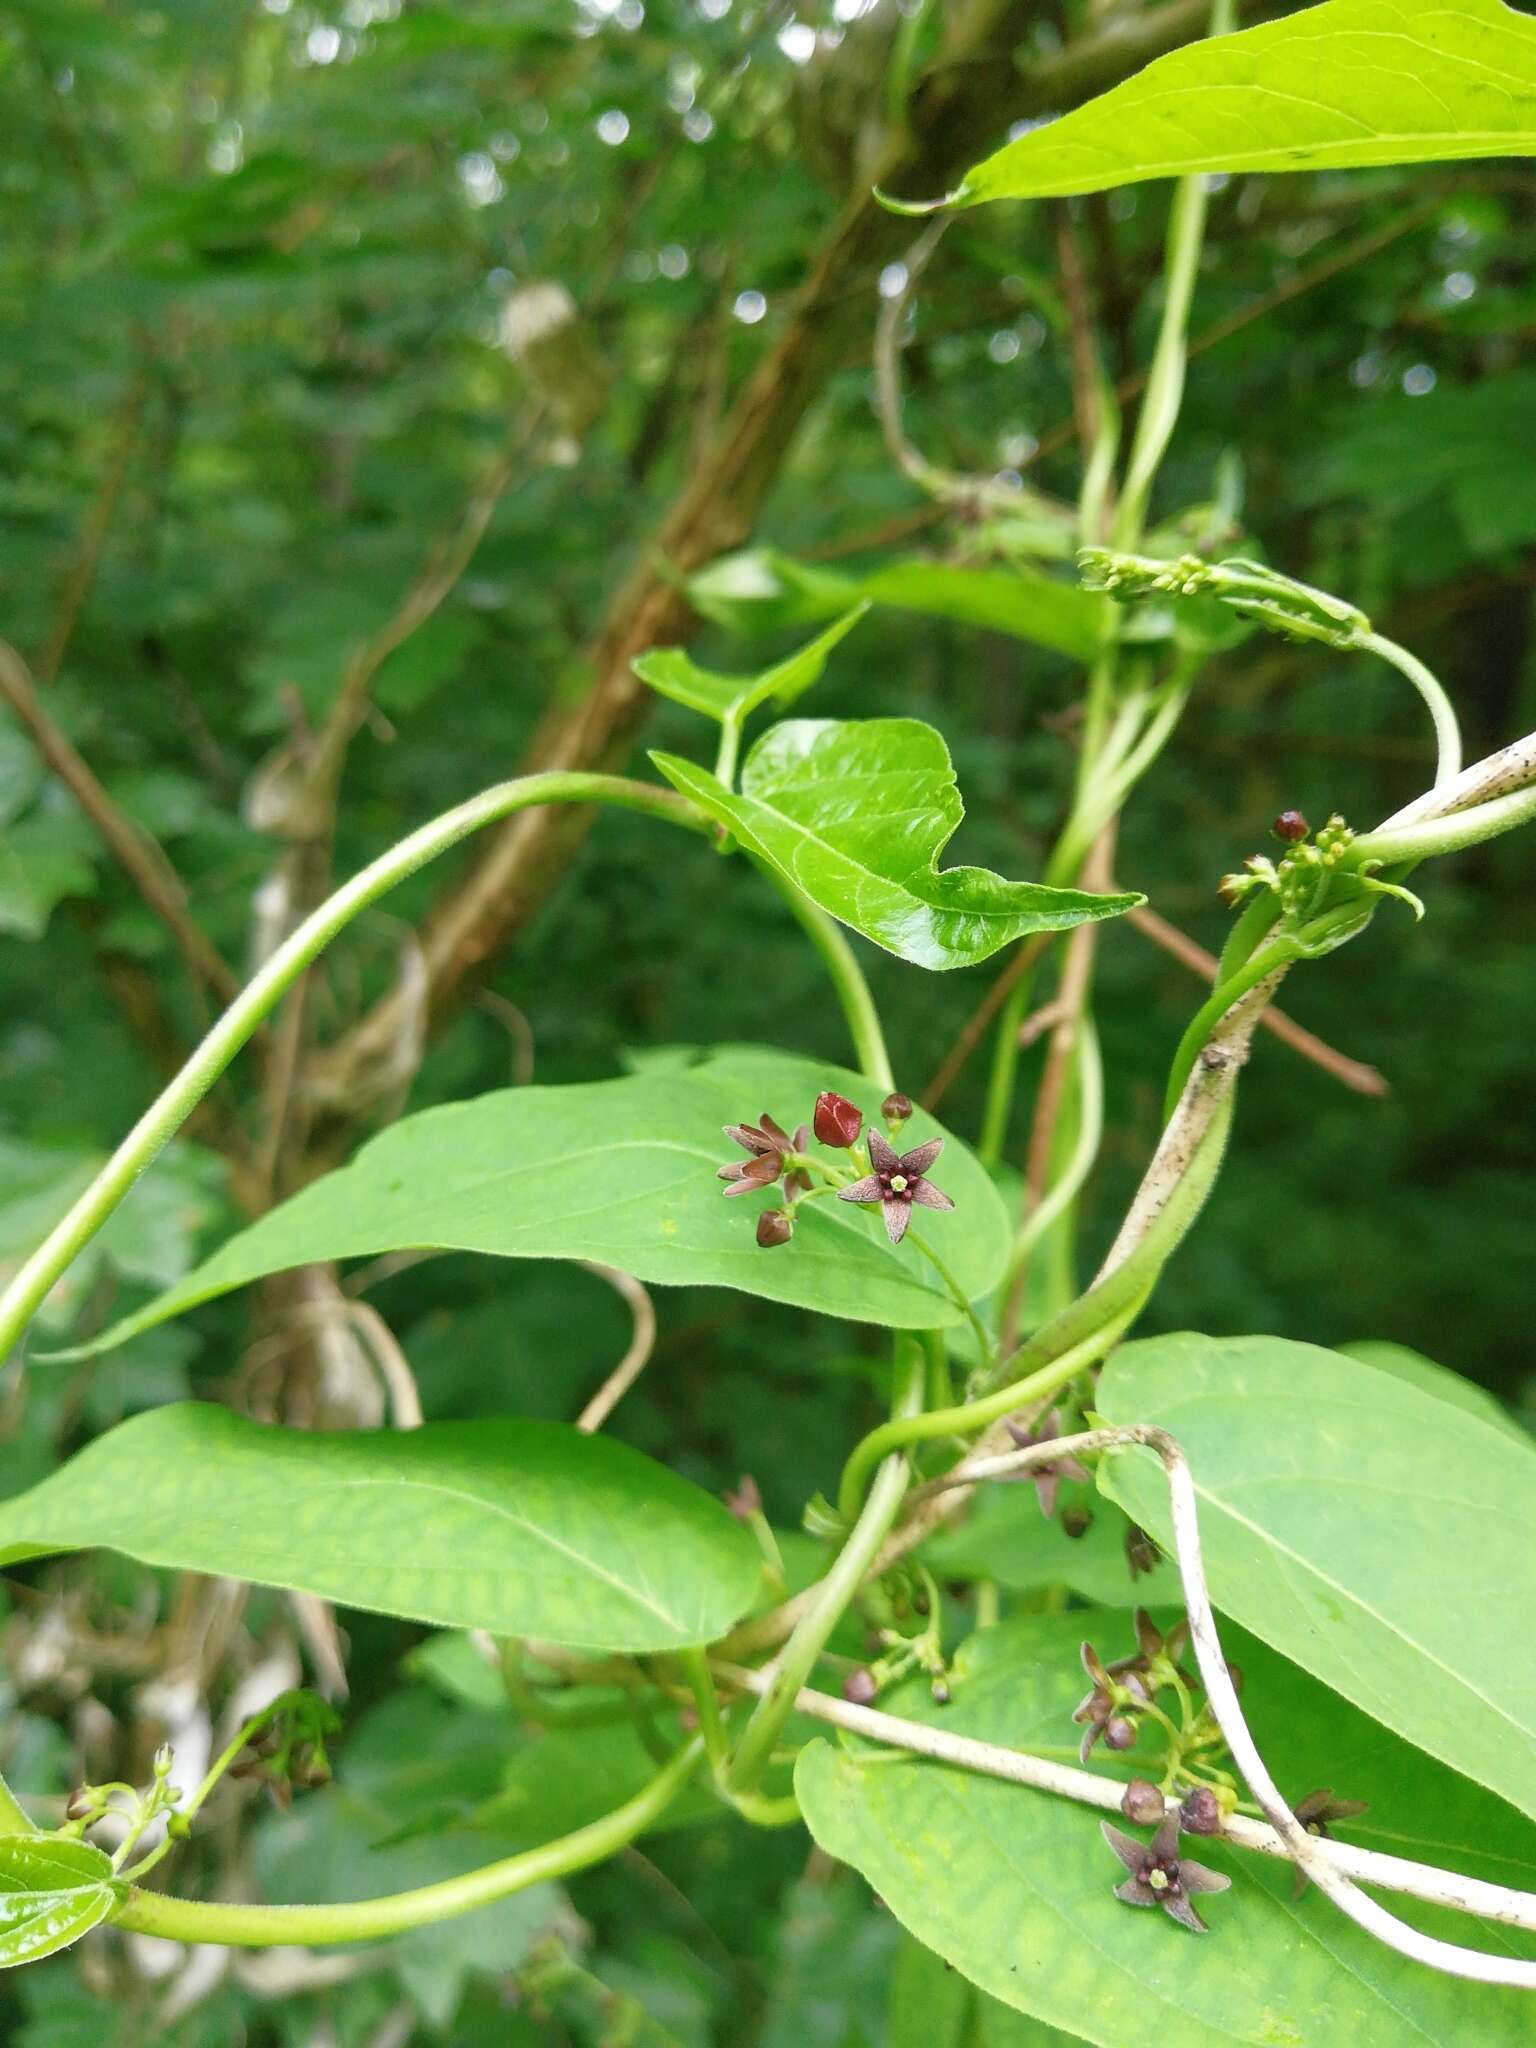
(1253, 589)
(1299, 878)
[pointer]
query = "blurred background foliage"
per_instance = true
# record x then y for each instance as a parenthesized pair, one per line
(264, 310)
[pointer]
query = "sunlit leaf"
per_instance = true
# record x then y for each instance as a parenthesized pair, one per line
(623, 1172)
(674, 673)
(1377, 1534)
(51, 1892)
(856, 814)
(1013, 1887)
(1346, 84)
(523, 1528)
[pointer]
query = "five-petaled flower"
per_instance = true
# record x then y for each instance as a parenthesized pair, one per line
(1315, 1812)
(1046, 1478)
(769, 1143)
(898, 1180)
(1160, 1876)
(1116, 1687)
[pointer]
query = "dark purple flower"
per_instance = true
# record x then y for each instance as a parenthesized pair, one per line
(1115, 1687)
(1315, 1812)
(768, 1143)
(745, 1500)
(897, 1182)
(1141, 1553)
(836, 1120)
(1045, 1478)
(1160, 1876)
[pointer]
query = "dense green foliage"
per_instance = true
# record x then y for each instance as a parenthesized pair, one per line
(377, 382)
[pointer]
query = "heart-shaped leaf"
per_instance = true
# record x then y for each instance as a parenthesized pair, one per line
(623, 1172)
(1014, 1887)
(855, 813)
(1350, 83)
(523, 1528)
(52, 1890)
(1377, 1534)
(728, 699)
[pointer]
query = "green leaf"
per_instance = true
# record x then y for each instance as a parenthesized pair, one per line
(759, 589)
(1350, 83)
(728, 699)
(856, 813)
(523, 1528)
(1439, 1380)
(624, 1172)
(51, 1892)
(1013, 1887)
(1371, 1531)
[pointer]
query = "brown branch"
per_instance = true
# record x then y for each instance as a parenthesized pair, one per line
(139, 855)
(975, 1026)
(1353, 1074)
(965, 98)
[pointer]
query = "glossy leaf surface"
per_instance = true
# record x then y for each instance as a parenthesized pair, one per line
(523, 1528)
(1348, 84)
(1378, 1535)
(856, 814)
(1014, 1888)
(51, 1892)
(623, 1172)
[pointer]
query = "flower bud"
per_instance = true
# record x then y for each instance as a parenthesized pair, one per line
(836, 1120)
(165, 1756)
(896, 1108)
(746, 1500)
(940, 1691)
(1076, 1522)
(1200, 1812)
(1290, 826)
(1120, 1733)
(81, 1802)
(1143, 1803)
(774, 1227)
(859, 1687)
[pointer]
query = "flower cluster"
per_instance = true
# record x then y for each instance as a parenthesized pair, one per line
(1300, 877)
(897, 1181)
(1123, 1691)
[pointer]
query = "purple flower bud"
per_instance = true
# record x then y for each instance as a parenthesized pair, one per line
(1120, 1733)
(774, 1227)
(746, 1501)
(896, 1108)
(1290, 826)
(80, 1804)
(1200, 1812)
(836, 1120)
(1142, 1803)
(859, 1687)
(1076, 1522)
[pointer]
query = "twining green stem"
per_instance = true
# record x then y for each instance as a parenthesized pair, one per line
(1265, 961)
(1090, 1130)
(1257, 918)
(1165, 375)
(707, 1703)
(1395, 844)
(796, 1660)
(957, 1294)
(267, 987)
(1430, 688)
(1003, 1077)
(373, 1919)
(838, 958)
(972, 1416)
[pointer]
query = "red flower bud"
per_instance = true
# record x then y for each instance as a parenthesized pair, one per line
(896, 1108)
(837, 1121)
(1290, 826)
(774, 1227)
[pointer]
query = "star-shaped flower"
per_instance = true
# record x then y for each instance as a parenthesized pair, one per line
(1045, 1478)
(1160, 1876)
(768, 1142)
(1116, 1688)
(897, 1182)
(1315, 1812)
